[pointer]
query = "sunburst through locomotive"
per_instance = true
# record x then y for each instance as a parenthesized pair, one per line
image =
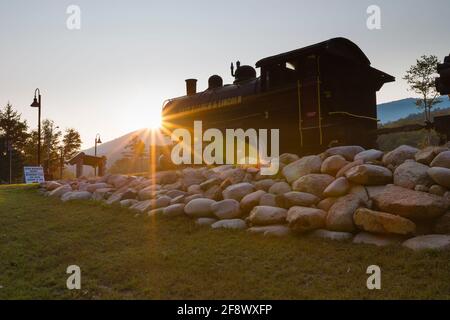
(317, 96)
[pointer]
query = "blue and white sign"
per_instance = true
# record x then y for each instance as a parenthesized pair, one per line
(33, 175)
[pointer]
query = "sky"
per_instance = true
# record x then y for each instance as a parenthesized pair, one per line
(112, 74)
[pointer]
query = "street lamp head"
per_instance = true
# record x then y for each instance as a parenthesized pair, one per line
(99, 141)
(35, 103)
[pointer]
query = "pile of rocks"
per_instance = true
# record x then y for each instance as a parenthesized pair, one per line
(344, 193)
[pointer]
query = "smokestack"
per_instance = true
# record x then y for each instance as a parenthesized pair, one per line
(191, 86)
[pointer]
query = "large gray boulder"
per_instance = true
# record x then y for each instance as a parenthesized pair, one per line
(302, 167)
(348, 152)
(60, 191)
(370, 155)
(399, 155)
(313, 183)
(442, 160)
(238, 191)
(264, 215)
(337, 188)
(381, 222)
(76, 195)
(264, 184)
(428, 242)
(229, 224)
(280, 188)
(199, 208)
(333, 164)
(369, 175)
(93, 187)
(411, 173)
(251, 200)
(302, 199)
(174, 210)
(427, 155)
(340, 215)
(440, 175)
(226, 209)
(303, 219)
(410, 204)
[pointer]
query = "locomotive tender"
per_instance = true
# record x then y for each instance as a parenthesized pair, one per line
(320, 95)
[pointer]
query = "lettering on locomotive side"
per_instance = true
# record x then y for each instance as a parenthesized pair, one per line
(214, 105)
(241, 147)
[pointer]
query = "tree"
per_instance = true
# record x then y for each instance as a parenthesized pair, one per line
(13, 139)
(71, 143)
(421, 79)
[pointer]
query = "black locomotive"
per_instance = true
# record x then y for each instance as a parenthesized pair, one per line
(320, 95)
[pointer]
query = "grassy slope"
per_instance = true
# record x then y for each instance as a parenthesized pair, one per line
(123, 256)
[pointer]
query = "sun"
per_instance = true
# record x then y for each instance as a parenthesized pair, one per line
(155, 121)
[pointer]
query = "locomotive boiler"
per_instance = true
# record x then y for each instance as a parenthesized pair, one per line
(317, 96)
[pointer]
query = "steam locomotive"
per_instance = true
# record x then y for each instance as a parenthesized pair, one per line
(317, 96)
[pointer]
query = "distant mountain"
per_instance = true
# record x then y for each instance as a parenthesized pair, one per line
(394, 110)
(113, 149)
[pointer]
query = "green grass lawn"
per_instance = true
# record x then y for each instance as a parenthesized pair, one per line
(124, 256)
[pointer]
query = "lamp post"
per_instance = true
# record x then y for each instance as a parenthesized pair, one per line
(97, 141)
(37, 104)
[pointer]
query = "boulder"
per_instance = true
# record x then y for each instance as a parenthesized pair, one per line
(226, 209)
(199, 208)
(129, 194)
(119, 180)
(348, 152)
(280, 188)
(288, 158)
(295, 198)
(188, 199)
(209, 183)
(276, 230)
(190, 176)
(128, 203)
(380, 240)
(381, 222)
(155, 212)
(441, 160)
(442, 225)
(409, 203)
(264, 184)
(214, 193)
(421, 188)
(326, 204)
(344, 169)
(76, 195)
(437, 190)
(174, 210)
(147, 193)
(205, 221)
(52, 185)
(302, 167)
(92, 187)
(331, 235)
(60, 191)
(177, 200)
(251, 200)
(238, 191)
(229, 224)
(268, 199)
(194, 189)
(175, 193)
(337, 188)
(361, 193)
(340, 215)
(333, 164)
(428, 242)
(427, 155)
(234, 175)
(440, 175)
(165, 177)
(368, 174)
(370, 155)
(411, 173)
(160, 202)
(303, 219)
(399, 155)
(313, 183)
(114, 198)
(264, 215)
